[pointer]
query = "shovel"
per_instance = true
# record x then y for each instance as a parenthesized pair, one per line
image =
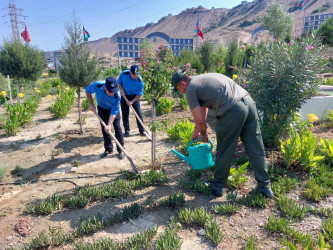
(135, 170)
(148, 133)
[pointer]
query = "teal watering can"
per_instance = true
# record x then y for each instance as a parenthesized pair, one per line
(199, 157)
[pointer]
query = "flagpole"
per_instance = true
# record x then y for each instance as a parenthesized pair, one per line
(303, 19)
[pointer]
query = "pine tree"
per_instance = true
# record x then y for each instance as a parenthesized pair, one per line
(77, 68)
(21, 61)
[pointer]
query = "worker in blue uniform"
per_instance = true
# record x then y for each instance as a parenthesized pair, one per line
(108, 102)
(131, 86)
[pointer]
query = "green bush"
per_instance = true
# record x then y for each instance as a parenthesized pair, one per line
(280, 79)
(113, 72)
(173, 131)
(299, 150)
(65, 100)
(32, 103)
(183, 103)
(164, 106)
(85, 103)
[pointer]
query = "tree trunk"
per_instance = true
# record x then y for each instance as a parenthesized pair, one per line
(79, 108)
(10, 90)
(153, 135)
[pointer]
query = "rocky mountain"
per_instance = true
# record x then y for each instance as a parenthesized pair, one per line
(217, 24)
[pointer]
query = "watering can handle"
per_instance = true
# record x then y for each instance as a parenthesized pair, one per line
(195, 140)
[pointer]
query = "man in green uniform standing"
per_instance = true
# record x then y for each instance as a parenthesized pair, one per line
(236, 116)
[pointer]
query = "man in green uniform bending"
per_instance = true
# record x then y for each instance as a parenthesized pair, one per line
(236, 116)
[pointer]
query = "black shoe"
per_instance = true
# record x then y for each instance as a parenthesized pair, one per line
(265, 190)
(105, 154)
(217, 188)
(121, 155)
(143, 133)
(127, 134)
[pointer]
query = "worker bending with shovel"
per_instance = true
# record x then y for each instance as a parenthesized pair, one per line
(108, 102)
(131, 89)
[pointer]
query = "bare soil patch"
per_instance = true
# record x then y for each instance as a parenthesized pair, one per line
(46, 149)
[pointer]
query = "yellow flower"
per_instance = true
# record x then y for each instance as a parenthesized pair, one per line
(20, 95)
(234, 77)
(312, 118)
(38, 91)
(35, 88)
(3, 94)
(66, 89)
(48, 97)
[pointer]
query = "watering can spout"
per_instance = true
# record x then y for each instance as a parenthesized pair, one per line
(181, 156)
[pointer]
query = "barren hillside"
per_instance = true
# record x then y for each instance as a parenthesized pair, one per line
(217, 24)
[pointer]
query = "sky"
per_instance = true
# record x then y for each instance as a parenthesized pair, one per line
(46, 19)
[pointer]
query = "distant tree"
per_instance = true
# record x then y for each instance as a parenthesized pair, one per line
(205, 53)
(146, 45)
(187, 56)
(278, 22)
(218, 57)
(234, 58)
(326, 31)
(77, 68)
(21, 61)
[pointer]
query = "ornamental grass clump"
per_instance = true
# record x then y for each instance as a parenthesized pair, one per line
(283, 185)
(197, 186)
(83, 196)
(292, 208)
(169, 239)
(142, 240)
(280, 78)
(226, 208)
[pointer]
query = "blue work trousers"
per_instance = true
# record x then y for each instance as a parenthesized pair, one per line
(125, 113)
(105, 114)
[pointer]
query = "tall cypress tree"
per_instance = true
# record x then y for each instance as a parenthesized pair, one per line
(77, 68)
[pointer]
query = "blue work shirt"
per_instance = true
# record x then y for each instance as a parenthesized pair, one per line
(103, 99)
(131, 86)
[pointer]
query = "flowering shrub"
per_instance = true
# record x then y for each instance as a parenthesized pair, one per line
(280, 79)
(156, 71)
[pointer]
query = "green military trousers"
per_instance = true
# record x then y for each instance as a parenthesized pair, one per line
(241, 120)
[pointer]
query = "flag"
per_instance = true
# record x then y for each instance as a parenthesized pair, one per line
(302, 4)
(196, 27)
(198, 31)
(25, 35)
(85, 34)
